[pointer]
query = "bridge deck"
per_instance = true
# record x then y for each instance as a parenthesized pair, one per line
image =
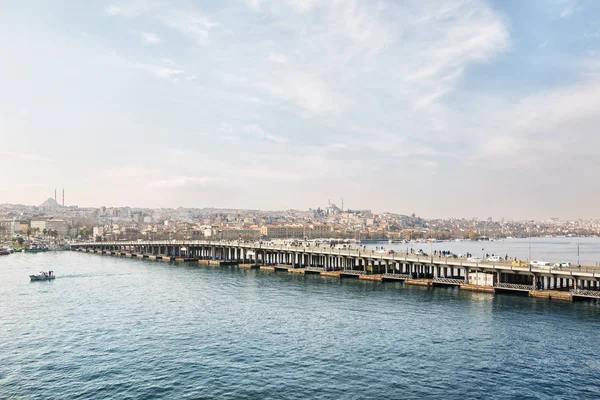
(360, 258)
(503, 266)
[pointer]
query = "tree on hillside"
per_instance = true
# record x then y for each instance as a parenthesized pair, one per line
(84, 231)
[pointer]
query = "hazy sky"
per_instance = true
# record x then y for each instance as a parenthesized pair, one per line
(458, 108)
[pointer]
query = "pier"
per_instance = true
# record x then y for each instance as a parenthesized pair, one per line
(412, 269)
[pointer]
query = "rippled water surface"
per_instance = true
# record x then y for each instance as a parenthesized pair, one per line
(112, 328)
(576, 250)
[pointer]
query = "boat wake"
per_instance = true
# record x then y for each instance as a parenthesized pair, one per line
(91, 275)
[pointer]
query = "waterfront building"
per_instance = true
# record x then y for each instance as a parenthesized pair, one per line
(319, 231)
(283, 231)
(9, 227)
(24, 225)
(296, 231)
(61, 226)
(236, 233)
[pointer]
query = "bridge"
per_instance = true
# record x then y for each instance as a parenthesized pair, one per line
(365, 264)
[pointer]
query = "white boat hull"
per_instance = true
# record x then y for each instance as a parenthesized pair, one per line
(43, 276)
(40, 278)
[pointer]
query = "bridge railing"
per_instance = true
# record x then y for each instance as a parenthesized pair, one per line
(353, 272)
(452, 281)
(585, 292)
(397, 276)
(514, 286)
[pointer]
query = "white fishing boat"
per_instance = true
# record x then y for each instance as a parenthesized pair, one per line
(43, 276)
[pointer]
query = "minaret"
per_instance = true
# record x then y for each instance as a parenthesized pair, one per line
(342, 204)
(63, 202)
(55, 198)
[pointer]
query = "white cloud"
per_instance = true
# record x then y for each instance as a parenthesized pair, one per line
(182, 182)
(164, 69)
(419, 50)
(126, 172)
(591, 35)
(305, 6)
(133, 8)
(149, 38)
(25, 156)
(312, 94)
(118, 10)
(163, 72)
(428, 164)
(570, 7)
(264, 173)
(253, 4)
(278, 58)
(542, 128)
(446, 43)
(299, 164)
(358, 87)
(192, 24)
(429, 98)
(259, 133)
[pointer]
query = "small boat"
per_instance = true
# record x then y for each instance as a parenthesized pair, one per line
(43, 276)
(4, 252)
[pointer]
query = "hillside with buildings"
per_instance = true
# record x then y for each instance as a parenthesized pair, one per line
(129, 223)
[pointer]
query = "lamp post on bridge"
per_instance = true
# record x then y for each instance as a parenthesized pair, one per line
(529, 231)
(578, 264)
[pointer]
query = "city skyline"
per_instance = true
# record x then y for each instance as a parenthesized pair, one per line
(451, 109)
(317, 206)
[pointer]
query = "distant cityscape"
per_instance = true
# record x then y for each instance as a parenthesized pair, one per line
(54, 220)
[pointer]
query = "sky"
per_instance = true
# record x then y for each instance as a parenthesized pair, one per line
(459, 108)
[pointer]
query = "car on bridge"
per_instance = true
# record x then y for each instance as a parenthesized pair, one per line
(494, 259)
(474, 259)
(562, 265)
(539, 264)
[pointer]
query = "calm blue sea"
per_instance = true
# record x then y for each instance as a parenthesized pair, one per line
(113, 328)
(584, 250)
